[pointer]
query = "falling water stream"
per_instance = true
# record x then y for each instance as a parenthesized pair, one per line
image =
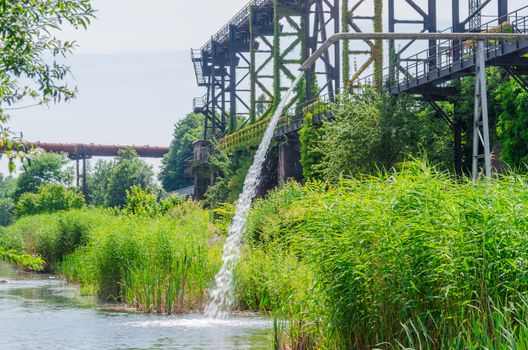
(222, 295)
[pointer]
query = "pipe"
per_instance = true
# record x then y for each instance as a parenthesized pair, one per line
(408, 36)
(90, 150)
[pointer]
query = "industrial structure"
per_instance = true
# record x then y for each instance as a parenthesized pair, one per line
(246, 66)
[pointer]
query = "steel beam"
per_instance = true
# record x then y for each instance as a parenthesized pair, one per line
(370, 53)
(323, 17)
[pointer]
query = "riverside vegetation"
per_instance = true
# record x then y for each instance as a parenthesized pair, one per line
(409, 258)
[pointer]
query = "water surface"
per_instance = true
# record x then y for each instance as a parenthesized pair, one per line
(41, 312)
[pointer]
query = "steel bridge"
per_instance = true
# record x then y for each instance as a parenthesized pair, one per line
(246, 66)
(80, 153)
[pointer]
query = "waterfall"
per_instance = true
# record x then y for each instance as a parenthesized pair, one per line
(222, 295)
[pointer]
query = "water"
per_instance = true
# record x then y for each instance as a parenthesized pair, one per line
(38, 312)
(222, 295)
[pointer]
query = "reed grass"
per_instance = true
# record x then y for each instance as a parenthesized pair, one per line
(410, 258)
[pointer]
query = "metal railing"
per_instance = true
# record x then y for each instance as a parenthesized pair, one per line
(447, 52)
(199, 104)
(239, 18)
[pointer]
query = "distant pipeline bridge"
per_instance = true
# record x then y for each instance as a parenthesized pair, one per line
(80, 152)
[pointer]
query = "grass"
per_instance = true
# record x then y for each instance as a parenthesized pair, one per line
(406, 259)
(161, 264)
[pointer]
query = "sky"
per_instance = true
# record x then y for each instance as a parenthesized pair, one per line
(134, 73)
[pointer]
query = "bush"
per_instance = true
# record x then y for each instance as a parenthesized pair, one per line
(48, 199)
(52, 236)
(140, 202)
(156, 265)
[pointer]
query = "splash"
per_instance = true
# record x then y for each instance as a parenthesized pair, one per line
(222, 296)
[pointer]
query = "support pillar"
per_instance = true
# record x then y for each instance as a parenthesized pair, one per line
(252, 68)
(290, 160)
(84, 179)
(503, 11)
(481, 140)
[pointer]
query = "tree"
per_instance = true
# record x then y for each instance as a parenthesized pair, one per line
(98, 182)
(129, 170)
(7, 188)
(29, 68)
(186, 132)
(43, 168)
(513, 124)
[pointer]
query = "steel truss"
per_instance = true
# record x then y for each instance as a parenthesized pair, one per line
(355, 18)
(252, 60)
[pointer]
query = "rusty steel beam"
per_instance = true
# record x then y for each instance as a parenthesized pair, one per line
(90, 150)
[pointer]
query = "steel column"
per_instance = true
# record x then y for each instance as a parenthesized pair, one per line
(84, 179)
(503, 11)
(476, 20)
(481, 140)
(325, 17)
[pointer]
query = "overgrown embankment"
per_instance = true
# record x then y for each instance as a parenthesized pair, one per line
(156, 264)
(411, 259)
(408, 259)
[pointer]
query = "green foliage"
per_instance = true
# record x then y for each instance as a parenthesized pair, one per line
(186, 132)
(140, 202)
(48, 199)
(52, 236)
(29, 68)
(373, 131)
(311, 156)
(43, 168)
(350, 142)
(513, 122)
(26, 260)
(7, 186)
(98, 181)
(230, 173)
(156, 265)
(129, 170)
(7, 205)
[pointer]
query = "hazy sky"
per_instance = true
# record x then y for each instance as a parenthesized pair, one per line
(134, 72)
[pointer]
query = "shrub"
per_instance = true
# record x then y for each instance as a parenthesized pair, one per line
(141, 202)
(48, 199)
(52, 236)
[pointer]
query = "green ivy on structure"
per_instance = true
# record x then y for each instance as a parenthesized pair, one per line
(378, 55)
(309, 137)
(346, 45)
(277, 61)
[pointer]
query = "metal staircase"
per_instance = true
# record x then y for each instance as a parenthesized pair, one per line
(197, 59)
